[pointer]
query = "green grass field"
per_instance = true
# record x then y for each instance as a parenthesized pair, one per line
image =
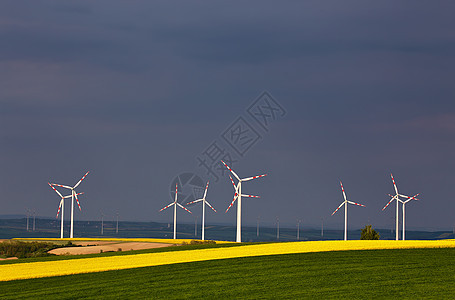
(414, 273)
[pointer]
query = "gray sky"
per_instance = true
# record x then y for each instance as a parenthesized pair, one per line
(136, 91)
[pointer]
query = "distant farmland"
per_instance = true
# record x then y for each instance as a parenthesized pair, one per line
(12, 228)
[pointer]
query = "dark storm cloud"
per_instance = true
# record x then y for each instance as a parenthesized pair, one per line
(135, 92)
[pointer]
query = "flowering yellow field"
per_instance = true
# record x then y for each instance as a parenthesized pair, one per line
(98, 264)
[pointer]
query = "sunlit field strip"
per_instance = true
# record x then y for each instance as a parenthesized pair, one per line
(98, 264)
(143, 240)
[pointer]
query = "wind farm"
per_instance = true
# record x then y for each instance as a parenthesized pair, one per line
(241, 150)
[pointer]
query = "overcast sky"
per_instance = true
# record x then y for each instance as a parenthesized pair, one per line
(140, 92)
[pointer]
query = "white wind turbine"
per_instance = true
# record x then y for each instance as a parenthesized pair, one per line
(175, 203)
(238, 196)
(61, 207)
(204, 202)
(73, 195)
(397, 198)
(345, 202)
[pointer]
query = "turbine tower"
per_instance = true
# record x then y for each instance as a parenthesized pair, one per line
(175, 203)
(61, 207)
(102, 222)
(345, 202)
(116, 228)
(204, 202)
(73, 195)
(298, 229)
(397, 198)
(28, 215)
(238, 196)
(404, 214)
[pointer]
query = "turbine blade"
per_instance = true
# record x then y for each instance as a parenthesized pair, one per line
(232, 203)
(235, 187)
(342, 189)
(411, 198)
(356, 203)
(77, 200)
(338, 208)
(63, 186)
(393, 198)
(55, 190)
(183, 207)
(167, 206)
(206, 187)
(414, 197)
(195, 201)
(60, 206)
(250, 196)
(79, 182)
(210, 206)
(176, 193)
(233, 173)
(254, 177)
(394, 184)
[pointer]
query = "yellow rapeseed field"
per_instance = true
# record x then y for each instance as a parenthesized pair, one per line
(98, 264)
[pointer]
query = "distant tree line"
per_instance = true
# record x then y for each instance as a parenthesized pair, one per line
(21, 249)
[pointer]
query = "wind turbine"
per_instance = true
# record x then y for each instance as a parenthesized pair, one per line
(34, 216)
(322, 227)
(175, 203)
(204, 202)
(345, 202)
(102, 222)
(28, 215)
(61, 207)
(116, 228)
(238, 195)
(298, 229)
(257, 226)
(277, 228)
(73, 195)
(397, 198)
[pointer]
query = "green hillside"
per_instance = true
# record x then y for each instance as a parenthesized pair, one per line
(416, 273)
